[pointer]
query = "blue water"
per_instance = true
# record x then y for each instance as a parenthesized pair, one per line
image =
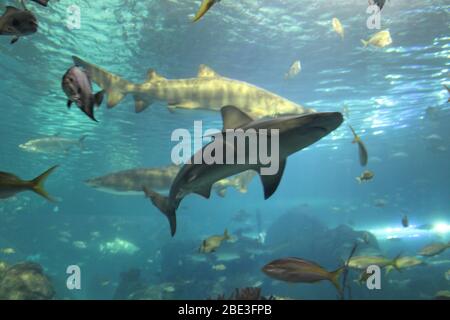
(386, 90)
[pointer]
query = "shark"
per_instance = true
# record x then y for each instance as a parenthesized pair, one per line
(207, 91)
(130, 182)
(295, 132)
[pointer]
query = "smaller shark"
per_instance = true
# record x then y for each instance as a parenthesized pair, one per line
(295, 132)
(130, 182)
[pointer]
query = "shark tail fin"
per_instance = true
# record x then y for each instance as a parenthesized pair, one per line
(114, 86)
(334, 278)
(37, 184)
(162, 203)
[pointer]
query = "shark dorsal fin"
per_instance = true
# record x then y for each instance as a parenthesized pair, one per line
(152, 75)
(234, 118)
(10, 9)
(206, 72)
(271, 182)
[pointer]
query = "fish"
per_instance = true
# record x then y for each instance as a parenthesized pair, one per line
(300, 270)
(363, 276)
(337, 27)
(379, 3)
(204, 8)
(10, 184)
(219, 267)
(295, 133)
(362, 262)
(365, 176)
(405, 221)
(208, 91)
(17, 23)
(7, 251)
(227, 256)
(448, 89)
(434, 249)
(380, 39)
(405, 263)
(130, 182)
(363, 155)
(294, 70)
(52, 144)
(78, 88)
(212, 243)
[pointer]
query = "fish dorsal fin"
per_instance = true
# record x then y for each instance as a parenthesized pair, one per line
(206, 72)
(271, 182)
(234, 118)
(152, 75)
(204, 191)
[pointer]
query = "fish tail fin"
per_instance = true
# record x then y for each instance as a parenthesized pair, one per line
(365, 43)
(162, 203)
(37, 184)
(205, 6)
(389, 269)
(114, 86)
(226, 235)
(394, 263)
(244, 180)
(334, 278)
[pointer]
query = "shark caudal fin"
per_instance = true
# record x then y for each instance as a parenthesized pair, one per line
(162, 203)
(37, 184)
(114, 86)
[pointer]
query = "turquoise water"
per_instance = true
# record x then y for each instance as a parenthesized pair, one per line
(386, 91)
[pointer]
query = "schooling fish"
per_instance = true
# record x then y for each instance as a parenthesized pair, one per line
(205, 6)
(299, 270)
(212, 243)
(337, 27)
(52, 144)
(11, 184)
(78, 88)
(434, 249)
(363, 155)
(380, 39)
(17, 23)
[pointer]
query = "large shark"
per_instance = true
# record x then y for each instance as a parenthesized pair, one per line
(208, 91)
(131, 182)
(295, 132)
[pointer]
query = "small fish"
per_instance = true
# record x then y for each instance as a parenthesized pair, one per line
(204, 7)
(405, 221)
(363, 155)
(78, 88)
(362, 262)
(300, 270)
(434, 249)
(381, 39)
(337, 27)
(17, 23)
(219, 267)
(294, 70)
(404, 263)
(52, 144)
(213, 242)
(7, 251)
(379, 3)
(10, 184)
(365, 176)
(363, 276)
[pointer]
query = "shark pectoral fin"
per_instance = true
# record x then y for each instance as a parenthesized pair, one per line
(234, 118)
(271, 182)
(206, 72)
(163, 204)
(204, 192)
(141, 104)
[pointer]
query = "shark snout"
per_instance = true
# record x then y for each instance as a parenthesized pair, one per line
(326, 121)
